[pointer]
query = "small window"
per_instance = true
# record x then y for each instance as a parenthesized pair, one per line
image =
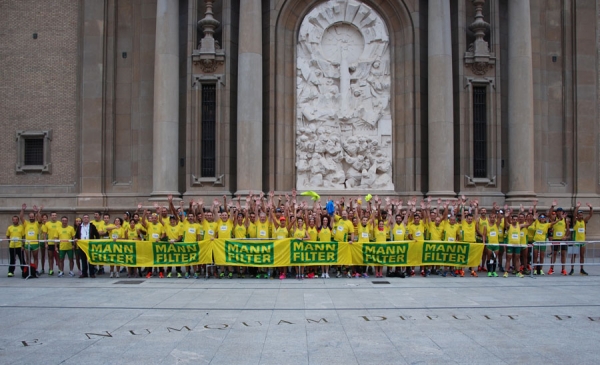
(209, 129)
(480, 131)
(33, 151)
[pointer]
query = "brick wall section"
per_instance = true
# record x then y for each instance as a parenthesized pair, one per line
(38, 87)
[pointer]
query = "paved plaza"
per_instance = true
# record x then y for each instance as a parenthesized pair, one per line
(550, 319)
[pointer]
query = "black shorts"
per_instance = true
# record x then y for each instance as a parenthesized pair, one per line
(51, 247)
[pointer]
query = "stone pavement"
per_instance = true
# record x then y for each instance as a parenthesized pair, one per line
(550, 319)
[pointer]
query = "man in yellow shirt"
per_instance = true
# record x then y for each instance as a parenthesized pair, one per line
(32, 229)
(66, 234)
(579, 229)
(15, 233)
(50, 233)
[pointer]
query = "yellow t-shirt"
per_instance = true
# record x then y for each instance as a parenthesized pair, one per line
(417, 231)
(117, 233)
(191, 232)
(263, 229)
(210, 229)
(173, 232)
(131, 233)
(398, 232)
(225, 229)
(32, 230)
(281, 233)
(325, 234)
(468, 232)
(436, 233)
(364, 233)
(300, 233)
(251, 230)
(492, 234)
(451, 231)
(67, 234)
(343, 227)
(579, 230)
(15, 235)
(51, 230)
(514, 235)
(380, 235)
(541, 231)
(240, 231)
(155, 231)
(313, 233)
(559, 230)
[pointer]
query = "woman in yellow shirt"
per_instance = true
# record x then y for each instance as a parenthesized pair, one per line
(380, 235)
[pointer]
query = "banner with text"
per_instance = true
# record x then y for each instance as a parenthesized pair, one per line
(414, 253)
(276, 253)
(146, 253)
(279, 253)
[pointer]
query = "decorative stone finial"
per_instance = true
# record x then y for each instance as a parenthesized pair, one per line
(210, 55)
(478, 56)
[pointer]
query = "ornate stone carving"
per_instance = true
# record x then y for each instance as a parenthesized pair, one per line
(209, 56)
(343, 118)
(478, 56)
(208, 65)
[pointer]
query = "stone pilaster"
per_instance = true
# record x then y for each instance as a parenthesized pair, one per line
(520, 102)
(166, 100)
(439, 106)
(249, 107)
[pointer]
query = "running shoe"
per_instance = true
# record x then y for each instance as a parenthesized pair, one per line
(51, 272)
(196, 275)
(365, 276)
(357, 275)
(505, 274)
(490, 274)
(179, 275)
(169, 275)
(583, 273)
(542, 272)
(519, 275)
(444, 273)
(338, 275)
(551, 271)
(571, 272)
(149, 275)
(116, 275)
(462, 273)
(221, 275)
(563, 272)
(161, 275)
(427, 273)
(111, 274)
(349, 275)
(327, 275)
(495, 274)
(61, 274)
(282, 276)
(71, 273)
(10, 275)
(230, 275)
(473, 273)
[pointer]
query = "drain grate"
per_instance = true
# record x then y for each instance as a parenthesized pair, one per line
(380, 282)
(129, 282)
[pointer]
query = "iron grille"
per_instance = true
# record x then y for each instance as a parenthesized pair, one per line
(34, 151)
(480, 131)
(209, 125)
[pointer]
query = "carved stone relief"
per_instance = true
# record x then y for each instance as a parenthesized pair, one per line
(343, 118)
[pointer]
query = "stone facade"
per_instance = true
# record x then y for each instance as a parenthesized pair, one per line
(90, 77)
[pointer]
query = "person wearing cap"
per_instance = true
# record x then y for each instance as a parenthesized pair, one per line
(513, 250)
(155, 232)
(281, 229)
(559, 233)
(469, 232)
(579, 228)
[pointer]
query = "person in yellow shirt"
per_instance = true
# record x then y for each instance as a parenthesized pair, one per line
(579, 230)
(225, 231)
(469, 234)
(380, 236)
(489, 233)
(50, 234)
(324, 235)
(174, 233)
(513, 249)
(32, 229)
(66, 235)
(116, 231)
(155, 232)
(559, 234)
(280, 231)
(15, 233)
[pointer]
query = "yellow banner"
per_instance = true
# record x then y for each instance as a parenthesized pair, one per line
(146, 253)
(276, 253)
(279, 253)
(414, 253)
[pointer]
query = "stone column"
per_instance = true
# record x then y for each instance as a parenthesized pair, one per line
(520, 102)
(249, 96)
(440, 109)
(165, 149)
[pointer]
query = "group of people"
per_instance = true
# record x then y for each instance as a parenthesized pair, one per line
(516, 241)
